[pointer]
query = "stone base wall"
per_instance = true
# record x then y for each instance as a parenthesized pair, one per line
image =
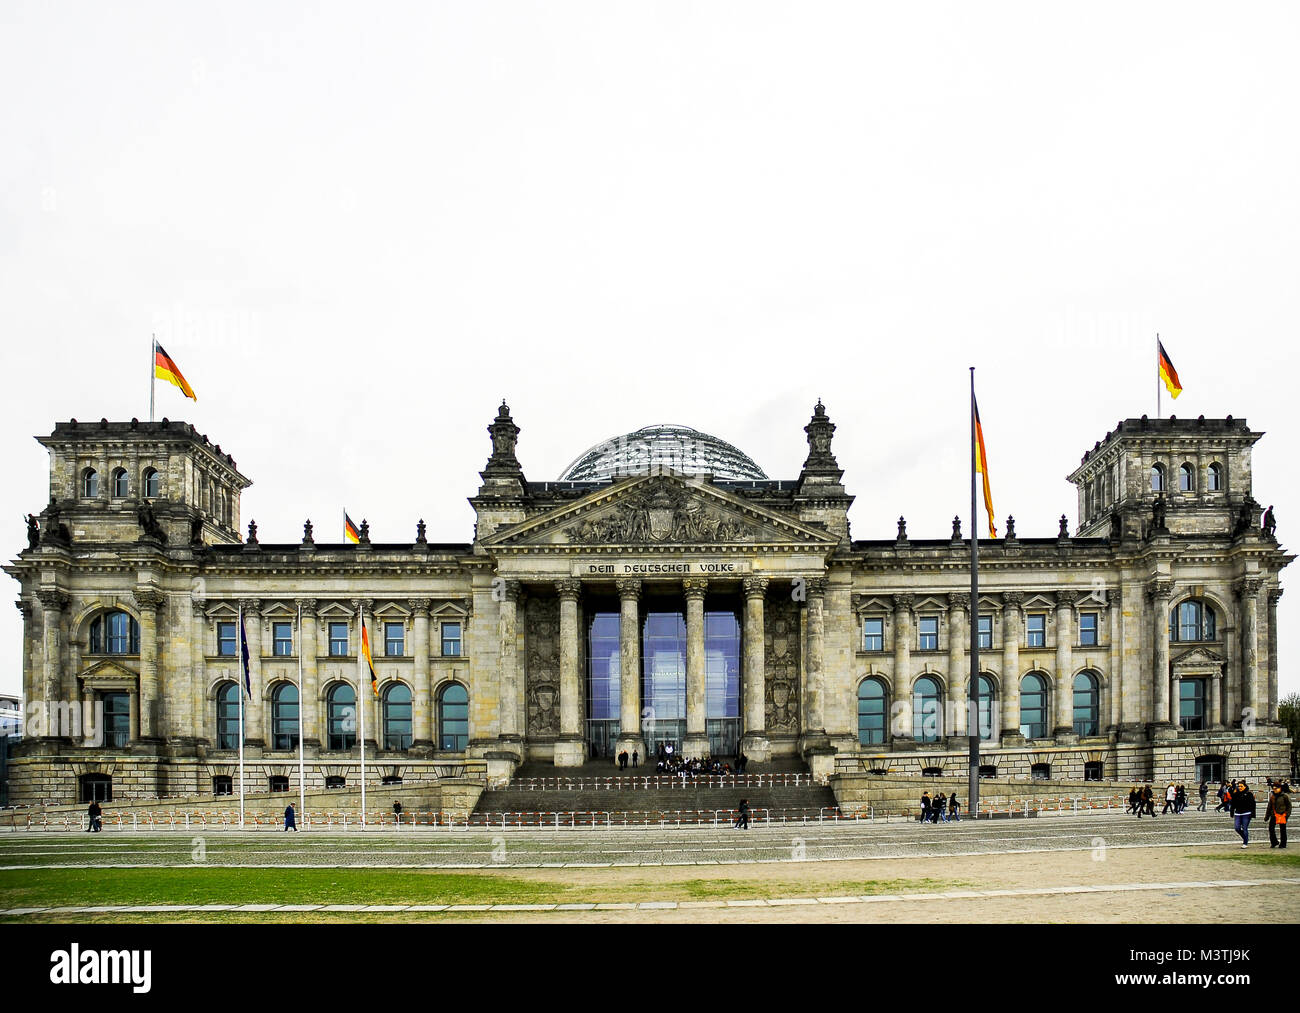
(860, 793)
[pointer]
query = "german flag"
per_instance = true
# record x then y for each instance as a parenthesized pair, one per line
(365, 653)
(982, 465)
(1167, 372)
(165, 368)
(350, 531)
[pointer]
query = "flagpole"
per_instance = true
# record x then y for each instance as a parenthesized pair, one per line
(153, 372)
(242, 648)
(1157, 374)
(972, 694)
(302, 703)
(361, 709)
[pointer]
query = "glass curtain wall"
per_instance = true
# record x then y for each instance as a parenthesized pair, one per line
(603, 684)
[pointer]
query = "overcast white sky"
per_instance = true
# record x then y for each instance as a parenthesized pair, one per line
(358, 227)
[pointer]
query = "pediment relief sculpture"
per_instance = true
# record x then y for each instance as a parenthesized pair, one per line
(662, 512)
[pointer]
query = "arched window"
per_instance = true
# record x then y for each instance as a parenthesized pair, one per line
(284, 716)
(453, 718)
(1033, 706)
(228, 716)
(985, 706)
(1185, 479)
(1216, 478)
(114, 633)
(1085, 704)
(96, 788)
(927, 710)
(90, 483)
(223, 784)
(151, 483)
(1192, 620)
(397, 717)
(119, 486)
(342, 706)
(1157, 478)
(871, 712)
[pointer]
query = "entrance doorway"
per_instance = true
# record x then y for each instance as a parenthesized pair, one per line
(724, 736)
(602, 734)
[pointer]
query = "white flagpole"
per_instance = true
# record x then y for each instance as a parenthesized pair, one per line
(153, 371)
(1157, 374)
(240, 667)
(361, 710)
(302, 703)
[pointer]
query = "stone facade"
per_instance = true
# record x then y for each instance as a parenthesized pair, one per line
(1142, 646)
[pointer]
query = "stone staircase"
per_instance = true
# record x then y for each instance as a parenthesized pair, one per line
(598, 794)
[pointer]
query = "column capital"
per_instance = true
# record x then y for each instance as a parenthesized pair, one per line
(629, 588)
(1248, 587)
(507, 589)
(695, 587)
(200, 607)
(959, 600)
(253, 606)
(308, 605)
(1013, 599)
(420, 606)
(366, 605)
(53, 599)
(569, 589)
(904, 602)
(1066, 597)
(1274, 593)
(1159, 589)
(756, 587)
(25, 607)
(149, 599)
(816, 587)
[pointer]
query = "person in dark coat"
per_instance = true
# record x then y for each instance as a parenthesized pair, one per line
(1225, 798)
(925, 807)
(635, 756)
(954, 808)
(1243, 811)
(1279, 808)
(742, 817)
(289, 823)
(1204, 790)
(95, 822)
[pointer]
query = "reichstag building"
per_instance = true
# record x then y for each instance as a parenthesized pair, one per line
(663, 591)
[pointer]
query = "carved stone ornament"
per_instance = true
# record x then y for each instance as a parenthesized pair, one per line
(147, 598)
(781, 666)
(1013, 599)
(308, 605)
(1248, 587)
(959, 600)
(755, 587)
(1066, 597)
(816, 587)
(542, 674)
(56, 600)
(1160, 589)
(695, 587)
(420, 606)
(629, 588)
(662, 512)
(567, 588)
(903, 602)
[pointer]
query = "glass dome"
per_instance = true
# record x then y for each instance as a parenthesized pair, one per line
(681, 448)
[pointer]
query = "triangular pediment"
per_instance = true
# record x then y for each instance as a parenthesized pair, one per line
(1199, 658)
(659, 511)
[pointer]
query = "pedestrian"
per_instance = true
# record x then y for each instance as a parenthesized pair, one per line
(1180, 798)
(289, 823)
(1225, 798)
(742, 819)
(1171, 796)
(397, 813)
(1133, 797)
(1243, 811)
(635, 755)
(954, 808)
(1279, 808)
(95, 821)
(1204, 790)
(925, 807)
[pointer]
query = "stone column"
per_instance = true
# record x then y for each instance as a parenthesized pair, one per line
(1213, 689)
(1160, 592)
(255, 718)
(629, 671)
(815, 737)
(570, 750)
(754, 743)
(309, 691)
(30, 684)
(696, 742)
(52, 605)
(1064, 696)
(152, 725)
(958, 665)
(902, 703)
(205, 716)
(509, 681)
(1251, 714)
(421, 703)
(1011, 602)
(1273, 595)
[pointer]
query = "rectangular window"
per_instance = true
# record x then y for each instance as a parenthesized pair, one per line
(873, 635)
(282, 639)
(338, 640)
(451, 640)
(929, 633)
(1036, 630)
(394, 639)
(1087, 629)
(986, 633)
(226, 640)
(1191, 704)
